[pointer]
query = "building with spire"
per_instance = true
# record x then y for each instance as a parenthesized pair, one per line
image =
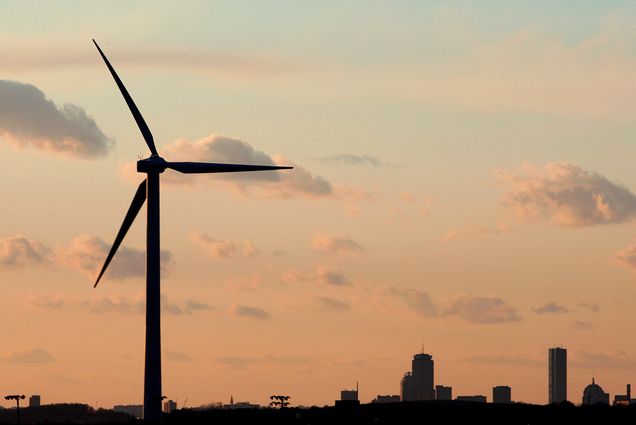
(419, 383)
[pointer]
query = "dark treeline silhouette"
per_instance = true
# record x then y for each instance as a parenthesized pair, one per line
(73, 413)
(416, 412)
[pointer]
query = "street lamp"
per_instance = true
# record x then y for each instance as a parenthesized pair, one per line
(17, 399)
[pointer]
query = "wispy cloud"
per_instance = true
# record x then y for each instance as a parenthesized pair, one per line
(330, 276)
(551, 308)
(627, 256)
(117, 304)
(29, 119)
(351, 159)
(250, 312)
(476, 232)
(29, 355)
(330, 305)
(568, 195)
(467, 308)
(296, 183)
(87, 254)
(579, 325)
(228, 250)
(617, 360)
(217, 63)
(18, 251)
(329, 244)
(177, 356)
(475, 309)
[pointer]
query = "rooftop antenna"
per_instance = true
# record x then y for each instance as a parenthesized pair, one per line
(153, 166)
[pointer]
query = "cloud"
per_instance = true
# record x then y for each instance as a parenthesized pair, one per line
(18, 251)
(31, 355)
(579, 325)
(418, 301)
(331, 277)
(327, 244)
(217, 63)
(47, 302)
(350, 159)
(192, 306)
(476, 232)
(618, 360)
(88, 253)
(482, 310)
(568, 195)
(250, 312)
(591, 307)
(295, 183)
(116, 304)
(627, 256)
(29, 119)
(468, 308)
(330, 305)
(551, 308)
(177, 356)
(228, 250)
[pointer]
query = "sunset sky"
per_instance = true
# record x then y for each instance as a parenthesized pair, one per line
(464, 181)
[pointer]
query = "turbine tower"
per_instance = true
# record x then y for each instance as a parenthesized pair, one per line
(149, 190)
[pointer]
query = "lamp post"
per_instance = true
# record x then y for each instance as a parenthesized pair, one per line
(17, 399)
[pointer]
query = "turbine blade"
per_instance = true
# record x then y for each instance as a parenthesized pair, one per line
(145, 131)
(135, 206)
(210, 167)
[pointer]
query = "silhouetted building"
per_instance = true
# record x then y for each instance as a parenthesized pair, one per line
(132, 409)
(349, 395)
(34, 401)
(502, 394)
(624, 399)
(472, 398)
(422, 377)
(594, 394)
(406, 389)
(386, 399)
(443, 393)
(557, 375)
(169, 406)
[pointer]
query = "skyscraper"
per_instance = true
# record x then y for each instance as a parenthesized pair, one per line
(557, 375)
(422, 377)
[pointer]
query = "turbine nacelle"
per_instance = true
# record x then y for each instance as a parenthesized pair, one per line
(152, 164)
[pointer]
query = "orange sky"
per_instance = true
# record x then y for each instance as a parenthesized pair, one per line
(462, 182)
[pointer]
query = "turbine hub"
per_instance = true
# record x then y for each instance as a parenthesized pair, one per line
(152, 164)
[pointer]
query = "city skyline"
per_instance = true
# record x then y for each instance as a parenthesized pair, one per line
(463, 178)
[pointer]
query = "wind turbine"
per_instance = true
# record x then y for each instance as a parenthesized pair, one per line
(149, 189)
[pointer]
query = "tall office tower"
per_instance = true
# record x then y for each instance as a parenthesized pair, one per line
(557, 375)
(422, 377)
(501, 394)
